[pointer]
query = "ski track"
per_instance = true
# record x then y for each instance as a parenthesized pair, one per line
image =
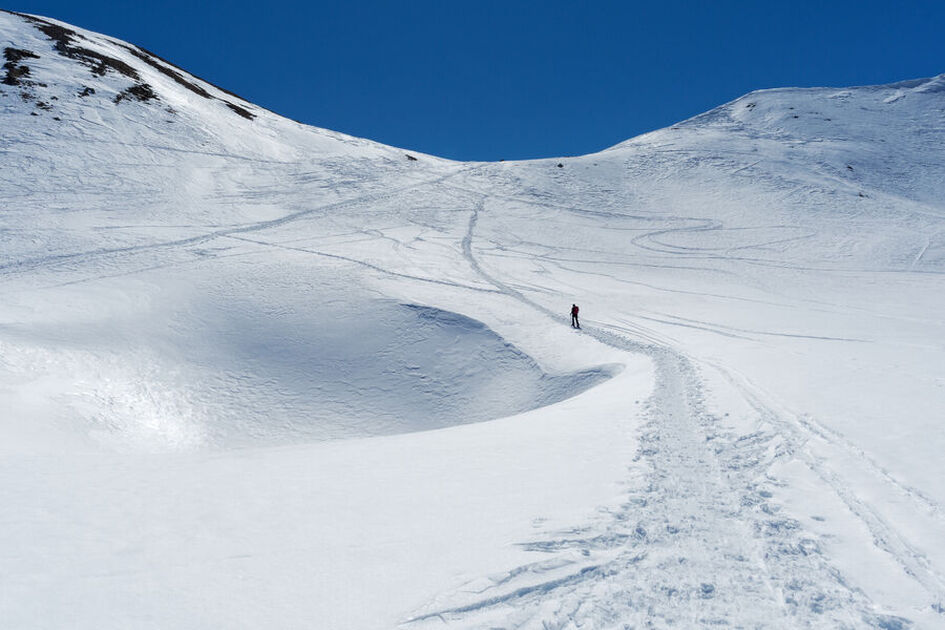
(701, 539)
(30, 264)
(798, 432)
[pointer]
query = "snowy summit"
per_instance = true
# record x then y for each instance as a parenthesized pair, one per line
(259, 374)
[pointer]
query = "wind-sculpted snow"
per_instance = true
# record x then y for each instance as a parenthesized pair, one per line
(746, 432)
(324, 365)
(226, 363)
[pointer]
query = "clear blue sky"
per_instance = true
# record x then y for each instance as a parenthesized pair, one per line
(506, 79)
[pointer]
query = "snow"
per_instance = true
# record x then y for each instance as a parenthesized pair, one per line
(254, 373)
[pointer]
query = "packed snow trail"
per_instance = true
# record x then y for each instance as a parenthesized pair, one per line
(797, 432)
(700, 540)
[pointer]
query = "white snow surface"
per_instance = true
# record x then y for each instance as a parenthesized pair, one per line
(259, 374)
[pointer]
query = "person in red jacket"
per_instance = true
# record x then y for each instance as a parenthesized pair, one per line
(574, 316)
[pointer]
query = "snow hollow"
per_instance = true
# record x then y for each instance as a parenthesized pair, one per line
(210, 367)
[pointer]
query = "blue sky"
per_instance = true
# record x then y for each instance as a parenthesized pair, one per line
(488, 80)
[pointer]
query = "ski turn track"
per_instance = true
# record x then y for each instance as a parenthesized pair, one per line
(699, 541)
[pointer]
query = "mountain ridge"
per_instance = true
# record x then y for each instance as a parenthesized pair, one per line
(99, 64)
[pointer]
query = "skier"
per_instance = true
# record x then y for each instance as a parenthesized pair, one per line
(574, 316)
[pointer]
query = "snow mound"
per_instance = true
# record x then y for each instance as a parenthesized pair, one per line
(222, 367)
(359, 367)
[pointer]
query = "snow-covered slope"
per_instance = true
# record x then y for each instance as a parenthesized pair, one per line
(225, 337)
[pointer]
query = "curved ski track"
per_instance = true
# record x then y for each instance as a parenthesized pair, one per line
(700, 540)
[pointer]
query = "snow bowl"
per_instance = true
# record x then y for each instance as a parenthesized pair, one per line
(367, 368)
(235, 367)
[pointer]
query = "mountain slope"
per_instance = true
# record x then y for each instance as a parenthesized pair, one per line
(225, 337)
